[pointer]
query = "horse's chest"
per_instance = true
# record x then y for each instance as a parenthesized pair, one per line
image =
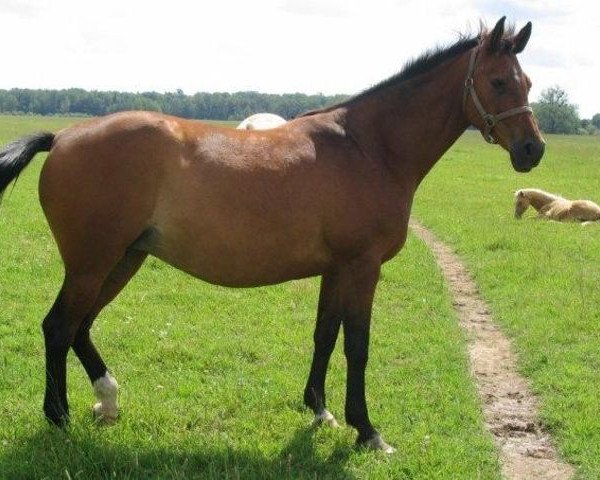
(377, 228)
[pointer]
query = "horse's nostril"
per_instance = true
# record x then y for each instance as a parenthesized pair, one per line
(529, 148)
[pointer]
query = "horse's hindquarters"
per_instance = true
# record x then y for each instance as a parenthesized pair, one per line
(98, 190)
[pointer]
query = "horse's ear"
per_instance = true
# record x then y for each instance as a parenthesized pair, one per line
(521, 39)
(495, 38)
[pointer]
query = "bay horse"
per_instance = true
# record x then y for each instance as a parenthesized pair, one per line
(261, 121)
(328, 193)
(555, 207)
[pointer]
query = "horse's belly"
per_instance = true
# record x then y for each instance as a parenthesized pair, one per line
(240, 260)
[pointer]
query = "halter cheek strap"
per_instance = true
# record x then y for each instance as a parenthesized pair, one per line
(489, 119)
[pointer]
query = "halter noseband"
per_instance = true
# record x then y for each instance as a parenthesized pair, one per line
(489, 118)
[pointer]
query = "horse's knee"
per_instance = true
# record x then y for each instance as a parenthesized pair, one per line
(106, 390)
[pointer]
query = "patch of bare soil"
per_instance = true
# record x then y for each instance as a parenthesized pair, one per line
(510, 409)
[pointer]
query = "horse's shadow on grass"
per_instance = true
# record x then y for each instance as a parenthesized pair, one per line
(52, 453)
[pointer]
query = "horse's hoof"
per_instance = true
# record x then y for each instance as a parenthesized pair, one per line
(102, 416)
(377, 443)
(325, 418)
(58, 421)
(56, 416)
(106, 410)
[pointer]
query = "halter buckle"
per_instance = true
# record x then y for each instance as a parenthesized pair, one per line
(490, 120)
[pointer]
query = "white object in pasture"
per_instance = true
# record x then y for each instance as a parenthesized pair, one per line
(106, 389)
(261, 121)
(555, 207)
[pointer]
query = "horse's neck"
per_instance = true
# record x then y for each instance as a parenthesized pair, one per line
(410, 125)
(539, 199)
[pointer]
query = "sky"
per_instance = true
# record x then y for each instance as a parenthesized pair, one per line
(279, 46)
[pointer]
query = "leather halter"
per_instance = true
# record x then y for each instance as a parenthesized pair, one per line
(489, 119)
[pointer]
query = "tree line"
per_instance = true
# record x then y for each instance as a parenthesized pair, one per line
(556, 115)
(554, 112)
(213, 106)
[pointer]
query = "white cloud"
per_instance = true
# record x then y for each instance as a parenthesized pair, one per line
(329, 46)
(331, 8)
(19, 8)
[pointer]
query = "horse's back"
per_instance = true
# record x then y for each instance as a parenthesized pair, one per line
(586, 210)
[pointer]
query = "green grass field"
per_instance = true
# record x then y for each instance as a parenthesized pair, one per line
(540, 278)
(212, 378)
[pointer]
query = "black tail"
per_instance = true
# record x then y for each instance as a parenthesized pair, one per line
(17, 155)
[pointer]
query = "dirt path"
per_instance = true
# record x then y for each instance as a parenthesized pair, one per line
(510, 409)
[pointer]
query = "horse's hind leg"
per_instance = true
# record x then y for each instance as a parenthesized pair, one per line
(105, 386)
(76, 298)
(325, 336)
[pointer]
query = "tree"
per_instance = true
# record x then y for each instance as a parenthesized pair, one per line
(8, 102)
(596, 120)
(554, 112)
(587, 127)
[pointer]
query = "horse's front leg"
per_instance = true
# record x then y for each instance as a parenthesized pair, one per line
(347, 296)
(359, 290)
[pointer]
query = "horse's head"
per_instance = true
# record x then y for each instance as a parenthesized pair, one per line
(495, 99)
(521, 203)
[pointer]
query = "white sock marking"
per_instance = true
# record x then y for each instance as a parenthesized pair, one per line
(106, 389)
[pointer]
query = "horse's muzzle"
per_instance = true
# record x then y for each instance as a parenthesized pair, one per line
(526, 154)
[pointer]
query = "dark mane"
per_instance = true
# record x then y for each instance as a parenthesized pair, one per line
(423, 64)
(427, 61)
(413, 68)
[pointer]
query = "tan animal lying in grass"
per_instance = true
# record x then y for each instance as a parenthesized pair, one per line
(554, 207)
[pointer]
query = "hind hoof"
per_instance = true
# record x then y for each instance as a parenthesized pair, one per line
(103, 416)
(377, 443)
(106, 410)
(325, 418)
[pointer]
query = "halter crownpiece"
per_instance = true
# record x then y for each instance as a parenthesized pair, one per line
(490, 119)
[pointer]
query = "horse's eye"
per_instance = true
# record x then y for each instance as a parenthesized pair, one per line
(498, 83)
